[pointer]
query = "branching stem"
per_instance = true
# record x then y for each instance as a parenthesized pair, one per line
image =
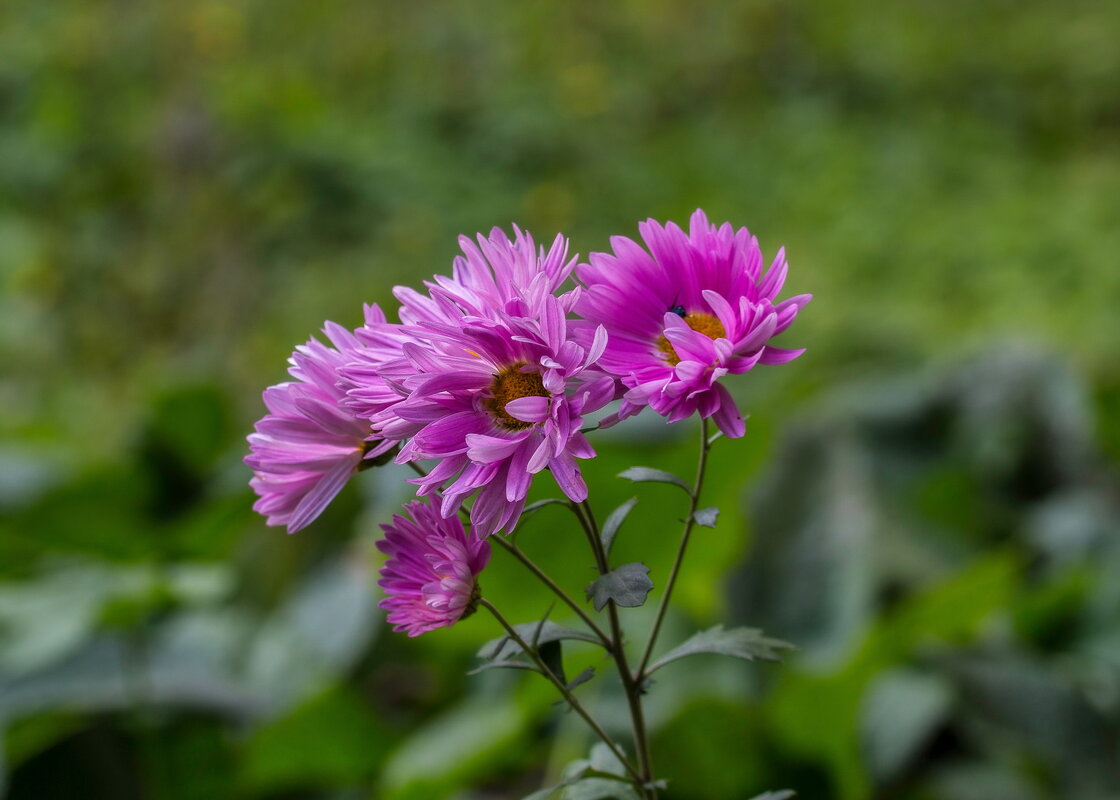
(631, 687)
(689, 524)
(562, 687)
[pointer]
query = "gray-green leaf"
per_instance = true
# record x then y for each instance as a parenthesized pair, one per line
(614, 522)
(785, 794)
(582, 678)
(504, 647)
(706, 516)
(649, 475)
(745, 643)
(628, 586)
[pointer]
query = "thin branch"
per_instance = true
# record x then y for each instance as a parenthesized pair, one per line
(631, 687)
(689, 524)
(571, 699)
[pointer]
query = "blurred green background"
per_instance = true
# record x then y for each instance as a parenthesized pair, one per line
(926, 502)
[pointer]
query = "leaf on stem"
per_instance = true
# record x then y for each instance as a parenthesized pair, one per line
(600, 777)
(706, 517)
(628, 586)
(649, 475)
(504, 647)
(745, 643)
(614, 522)
(506, 664)
(582, 678)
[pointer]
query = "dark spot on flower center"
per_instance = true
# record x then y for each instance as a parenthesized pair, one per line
(700, 322)
(510, 384)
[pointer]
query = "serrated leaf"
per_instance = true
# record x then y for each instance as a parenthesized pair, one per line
(614, 522)
(784, 794)
(706, 517)
(628, 586)
(745, 643)
(649, 475)
(504, 647)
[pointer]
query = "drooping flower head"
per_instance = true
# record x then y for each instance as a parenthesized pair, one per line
(430, 576)
(694, 308)
(309, 444)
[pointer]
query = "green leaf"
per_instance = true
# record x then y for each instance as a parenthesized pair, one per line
(706, 517)
(649, 475)
(504, 647)
(600, 789)
(504, 665)
(582, 678)
(628, 586)
(614, 522)
(745, 643)
(784, 794)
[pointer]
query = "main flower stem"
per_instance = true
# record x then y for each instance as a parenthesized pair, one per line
(562, 687)
(689, 524)
(631, 687)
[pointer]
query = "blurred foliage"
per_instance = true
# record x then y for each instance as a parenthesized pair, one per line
(187, 190)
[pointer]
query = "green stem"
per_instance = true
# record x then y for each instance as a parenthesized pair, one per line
(689, 524)
(562, 687)
(541, 575)
(631, 687)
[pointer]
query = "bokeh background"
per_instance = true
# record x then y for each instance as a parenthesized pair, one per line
(926, 502)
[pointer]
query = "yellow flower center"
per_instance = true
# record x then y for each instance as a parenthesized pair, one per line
(700, 322)
(510, 384)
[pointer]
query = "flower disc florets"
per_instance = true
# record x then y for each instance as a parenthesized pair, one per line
(513, 383)
(694, 308)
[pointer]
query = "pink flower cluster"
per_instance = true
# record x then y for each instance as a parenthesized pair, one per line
(488, 379)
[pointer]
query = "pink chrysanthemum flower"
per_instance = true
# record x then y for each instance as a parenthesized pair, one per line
(496, 401)
(430, 576)
(309, 444)
(693, 309)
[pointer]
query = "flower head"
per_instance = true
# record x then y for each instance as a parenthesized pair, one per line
(430, 576)
(694, 308)
(497, 400)
(309, 444)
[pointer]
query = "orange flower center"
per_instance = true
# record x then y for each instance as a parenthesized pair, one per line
(700, 322)
(510, 384)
